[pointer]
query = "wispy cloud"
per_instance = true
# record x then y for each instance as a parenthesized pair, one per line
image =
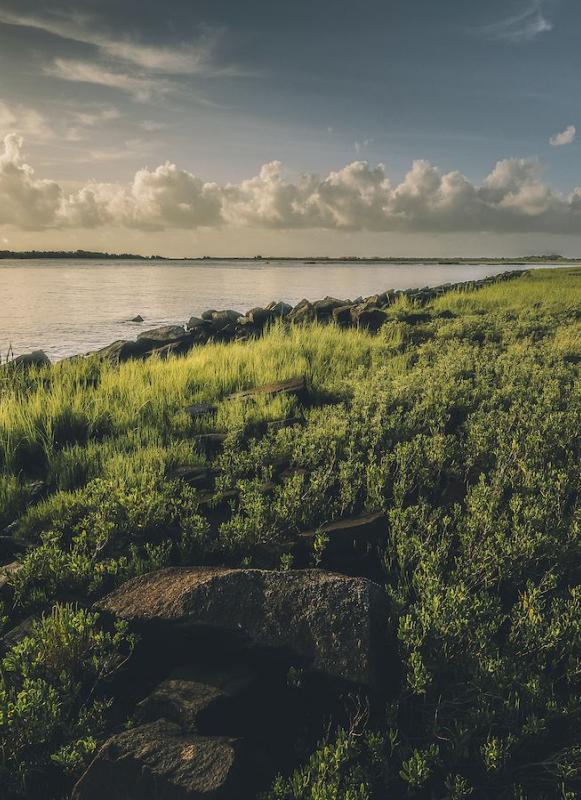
(363, 145)
(187, 58)
(565, 137)
(141, 87)
(525, 26)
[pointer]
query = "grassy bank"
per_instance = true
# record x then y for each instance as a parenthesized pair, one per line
(460, 420)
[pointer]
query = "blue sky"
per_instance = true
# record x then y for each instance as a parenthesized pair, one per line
(99, 91)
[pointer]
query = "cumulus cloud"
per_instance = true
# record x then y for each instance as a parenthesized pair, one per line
(565, 137)
(512, 199)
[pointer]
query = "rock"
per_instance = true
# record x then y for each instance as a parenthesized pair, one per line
(325, 307)
(200, 410)
(6, 571)
(260, 316)
(221, 319)
(342, 315)
(197, 323)
(138, 318)
(296, 387)
(38, 358)
(332, 624)
(120, 351)
(163, 335)
(210, 441)
(207, 315)
(197, 476)
(352, 545)
(303, 312)
(190, 700)
(369, 318)
(159, 762)
(280, 309)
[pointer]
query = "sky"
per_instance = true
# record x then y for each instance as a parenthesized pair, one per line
(317, 127)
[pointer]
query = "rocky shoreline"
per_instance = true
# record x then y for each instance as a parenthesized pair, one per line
(227, 325)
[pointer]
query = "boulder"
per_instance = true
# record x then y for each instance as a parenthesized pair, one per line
(138, 318)
(334, 625)
(120, 351)
(198, 476)
(5, 572)
(303, 312)
(342, 315)
(197, 323)
(369, 318)
(280, 309)
(163, 335)
(296, 387)
(260, 316)
(207, 315)
(222, 319)
(342, 534)
(159, 762)
(38, 358)
(325, 307)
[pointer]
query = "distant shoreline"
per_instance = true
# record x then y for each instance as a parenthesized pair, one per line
(98, 256)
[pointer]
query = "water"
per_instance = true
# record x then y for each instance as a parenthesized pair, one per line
(68, 307)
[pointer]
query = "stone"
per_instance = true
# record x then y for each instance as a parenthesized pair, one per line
(342, 315)
(334, 625)
(260, 316)
(369, 318)
(325, 307)
(197, 476)
(303, 312)
(200, 410)
(296, 387)
(38, 358)
(190, 700)
(163, 335)
(207, 315)
(158, 761)
(366, 528)
(6, 572)
(138, 318)
(197, 323)
(280, 309)
(120, 351)
(222, 319)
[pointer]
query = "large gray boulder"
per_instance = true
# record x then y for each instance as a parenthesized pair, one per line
(331, 624)
(160, 762)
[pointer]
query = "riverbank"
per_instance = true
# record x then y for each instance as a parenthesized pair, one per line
(349, 556)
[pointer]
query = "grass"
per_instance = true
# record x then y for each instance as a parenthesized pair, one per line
(461, 423)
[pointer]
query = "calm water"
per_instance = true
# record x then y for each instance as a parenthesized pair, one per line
(72, 307)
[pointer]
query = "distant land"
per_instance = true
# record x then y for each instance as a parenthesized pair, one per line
(97, 256)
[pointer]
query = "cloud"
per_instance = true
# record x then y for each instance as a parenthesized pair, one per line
(140, 87)
(565, 137)
(179, 59)
(24, 121)
(525, 26)
(512, 199)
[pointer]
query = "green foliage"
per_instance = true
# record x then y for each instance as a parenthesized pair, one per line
(460, 420)
(350, 767)
(52, 708)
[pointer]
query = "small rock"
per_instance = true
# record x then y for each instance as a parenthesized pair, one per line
(195, 323)
(138, 318)
(200, 410)
(296, 387)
